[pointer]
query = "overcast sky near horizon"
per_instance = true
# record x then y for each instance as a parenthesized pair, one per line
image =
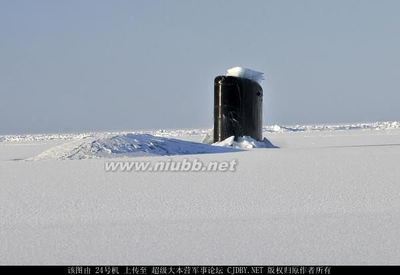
(124, 65)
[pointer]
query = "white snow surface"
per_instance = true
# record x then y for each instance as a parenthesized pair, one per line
(330, 194)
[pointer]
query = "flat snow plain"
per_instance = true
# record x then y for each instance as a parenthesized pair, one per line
(328, 195)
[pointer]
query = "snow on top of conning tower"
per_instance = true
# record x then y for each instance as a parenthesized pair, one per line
(246, 73)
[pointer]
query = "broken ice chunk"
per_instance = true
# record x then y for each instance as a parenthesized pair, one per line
(246, 73)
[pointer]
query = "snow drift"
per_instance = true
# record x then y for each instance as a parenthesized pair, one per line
(134, 145)
(128, 145)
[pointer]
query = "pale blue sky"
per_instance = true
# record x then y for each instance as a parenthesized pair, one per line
(115, 65)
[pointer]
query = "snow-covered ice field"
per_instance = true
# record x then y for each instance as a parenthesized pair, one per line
(328, 195)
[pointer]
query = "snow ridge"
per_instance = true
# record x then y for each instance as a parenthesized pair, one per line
(128, 145)
(386, 125)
